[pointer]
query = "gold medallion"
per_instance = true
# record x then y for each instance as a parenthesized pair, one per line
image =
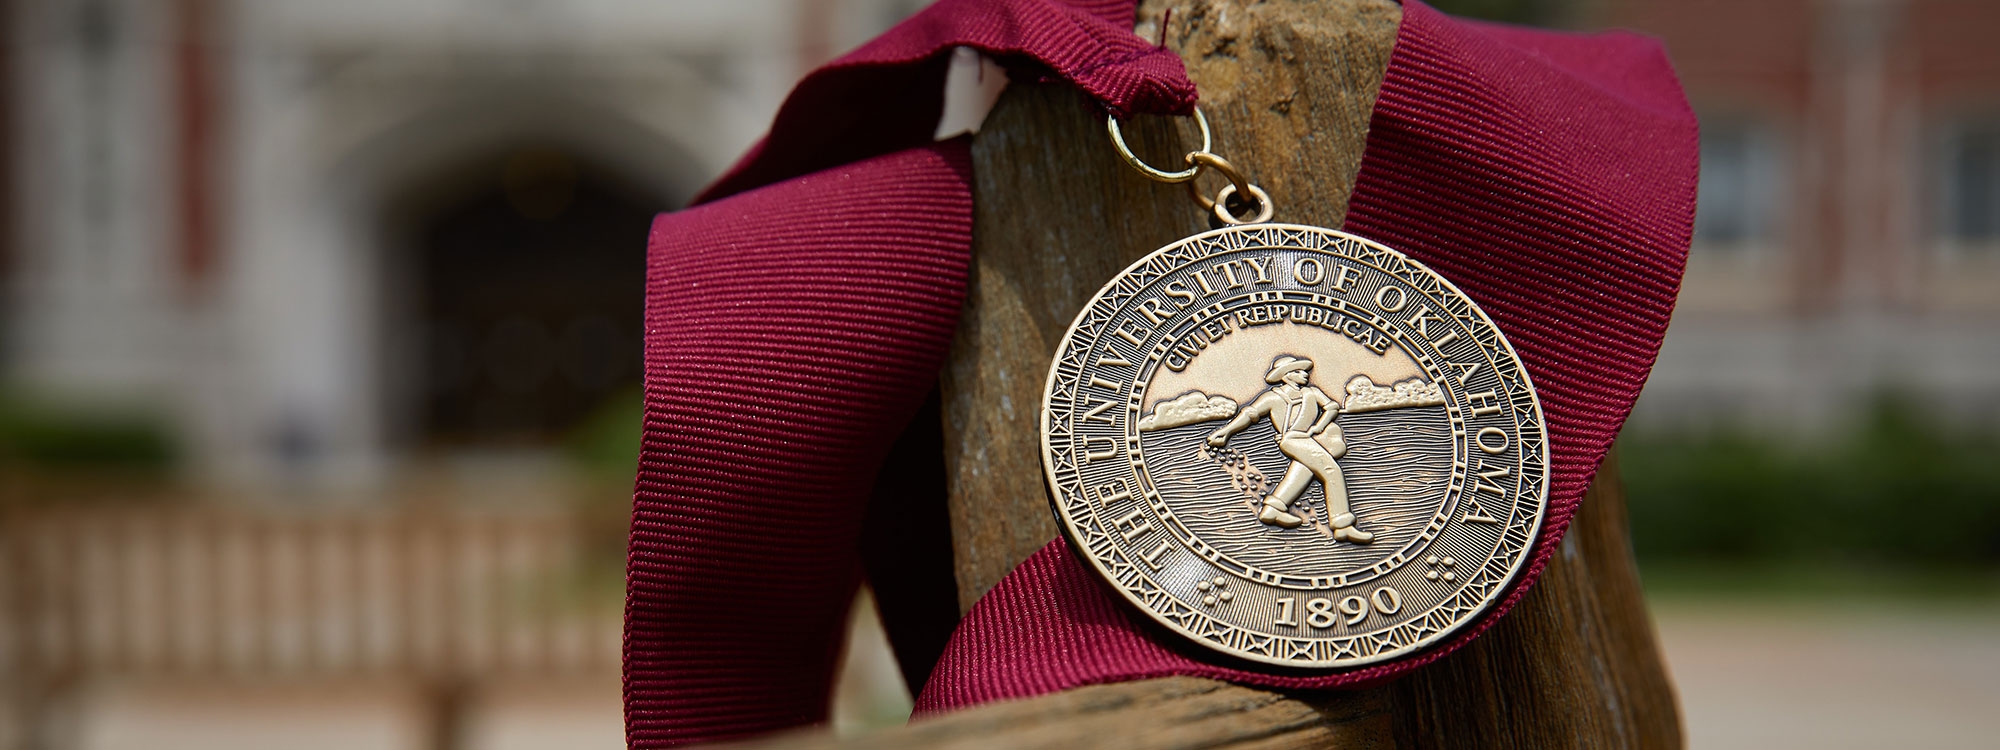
(1294, 445)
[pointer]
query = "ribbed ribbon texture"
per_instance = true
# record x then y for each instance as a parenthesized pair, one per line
(796, 322)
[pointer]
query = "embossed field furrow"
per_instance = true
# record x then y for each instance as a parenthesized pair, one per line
(1397, 467)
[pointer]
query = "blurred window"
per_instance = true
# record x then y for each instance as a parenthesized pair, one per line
(1971, 188)
(532, 279)
(1737, 206)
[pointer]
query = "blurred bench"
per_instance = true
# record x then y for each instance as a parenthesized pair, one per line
(444, 599)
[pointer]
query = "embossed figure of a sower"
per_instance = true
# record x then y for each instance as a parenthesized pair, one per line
(1303, 416)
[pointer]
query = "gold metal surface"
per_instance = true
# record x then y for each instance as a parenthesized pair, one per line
(1221, 205)
(1238, 185)
(1294, 446)
(1118, 140)
(1219, 164)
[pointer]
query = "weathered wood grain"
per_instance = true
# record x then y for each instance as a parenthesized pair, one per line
(1575, 664)
(1173, 712)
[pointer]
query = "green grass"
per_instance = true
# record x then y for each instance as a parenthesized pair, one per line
(606, 443)
(1891, 489)
(1890, 508)
(1785, 583)
(39, 433)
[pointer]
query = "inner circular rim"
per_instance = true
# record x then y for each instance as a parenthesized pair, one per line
(1301, 582)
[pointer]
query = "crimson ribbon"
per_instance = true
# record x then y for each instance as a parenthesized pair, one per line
(797, 318)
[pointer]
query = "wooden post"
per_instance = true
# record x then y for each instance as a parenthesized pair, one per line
(1289, 86)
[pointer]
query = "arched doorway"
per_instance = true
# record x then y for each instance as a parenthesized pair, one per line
(522, 274)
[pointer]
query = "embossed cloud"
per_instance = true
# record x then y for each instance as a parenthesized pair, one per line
(1188, 408)
(1364, 395)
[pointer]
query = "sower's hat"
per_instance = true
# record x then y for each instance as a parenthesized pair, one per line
(1283, 365)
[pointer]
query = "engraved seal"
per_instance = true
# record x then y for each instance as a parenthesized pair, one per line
(1295, 446)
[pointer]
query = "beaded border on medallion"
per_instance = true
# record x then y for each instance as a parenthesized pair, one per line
(1087, 531)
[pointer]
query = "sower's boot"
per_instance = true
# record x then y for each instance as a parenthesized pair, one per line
(1343, 530)
(1277, 509)
(1276, 515)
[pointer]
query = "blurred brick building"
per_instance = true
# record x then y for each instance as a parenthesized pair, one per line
(372, 266)
(1848, 234)
(329, 237)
